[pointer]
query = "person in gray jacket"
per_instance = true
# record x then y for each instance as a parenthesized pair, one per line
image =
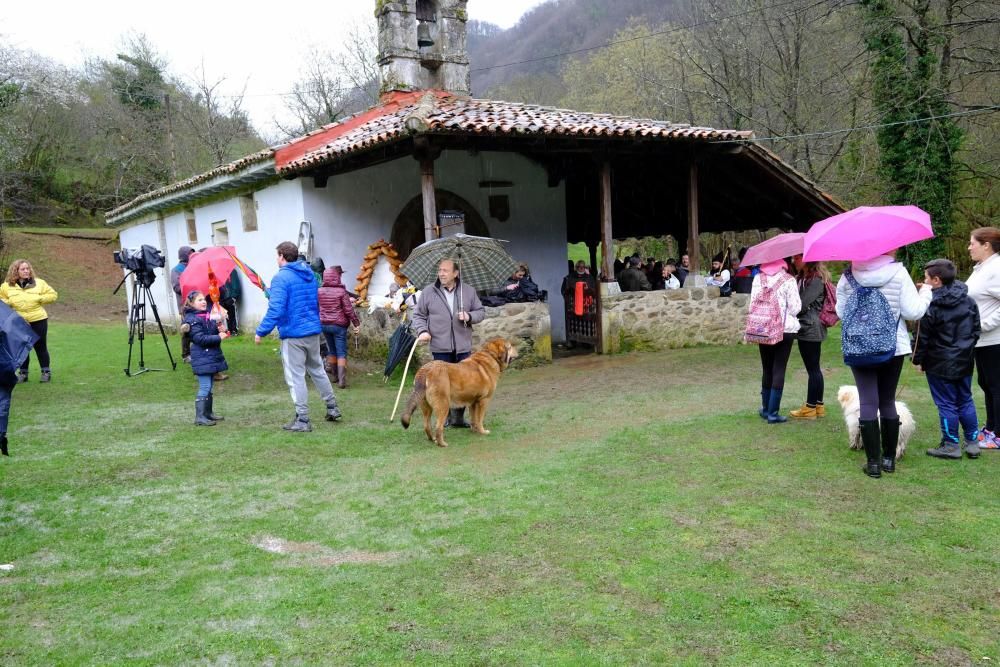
(444, 317)
(811, 278)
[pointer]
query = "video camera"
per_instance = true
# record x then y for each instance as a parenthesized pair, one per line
(141, 261)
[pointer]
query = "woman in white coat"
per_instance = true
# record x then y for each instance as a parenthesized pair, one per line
(984, 288)
(774, 358)
(879, 422)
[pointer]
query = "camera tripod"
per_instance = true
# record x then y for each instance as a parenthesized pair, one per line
(137, 323)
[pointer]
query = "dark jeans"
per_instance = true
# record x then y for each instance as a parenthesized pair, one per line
(953, 399)
(810, 353)
(41, 329)
(450, 357)
(877, 389)
(774, 361)
(230, 306)
(988, 369)
(6, 389)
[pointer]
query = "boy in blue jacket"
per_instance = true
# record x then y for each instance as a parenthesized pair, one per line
(945, 350)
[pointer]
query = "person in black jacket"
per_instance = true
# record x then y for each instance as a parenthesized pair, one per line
(519, 287)
(945, 350)
(206, 354)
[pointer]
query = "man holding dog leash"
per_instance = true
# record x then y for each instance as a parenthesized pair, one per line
(444, 317)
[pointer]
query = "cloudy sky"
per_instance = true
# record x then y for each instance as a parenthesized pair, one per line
(263, 48)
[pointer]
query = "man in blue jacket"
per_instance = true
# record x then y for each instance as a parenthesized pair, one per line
(294, 309)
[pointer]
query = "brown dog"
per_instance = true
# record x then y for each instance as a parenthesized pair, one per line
(440, 386)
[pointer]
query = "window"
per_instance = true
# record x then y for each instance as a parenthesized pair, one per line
(248, 213)
(220, 233)
(192, 227)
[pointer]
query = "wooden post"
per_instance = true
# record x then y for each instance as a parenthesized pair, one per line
(607, 237)
(431, 230)
(592, 247)
(693, 244)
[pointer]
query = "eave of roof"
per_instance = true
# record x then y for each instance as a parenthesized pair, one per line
(237, 174)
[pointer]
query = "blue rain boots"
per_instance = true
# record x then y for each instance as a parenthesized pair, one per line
(773, 405)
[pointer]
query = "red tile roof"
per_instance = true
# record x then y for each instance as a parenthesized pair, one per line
(439, 112)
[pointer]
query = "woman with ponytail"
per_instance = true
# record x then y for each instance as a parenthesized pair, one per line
(811, 278)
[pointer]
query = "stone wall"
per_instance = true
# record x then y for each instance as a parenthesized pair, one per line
(672, 318)
(526, 324)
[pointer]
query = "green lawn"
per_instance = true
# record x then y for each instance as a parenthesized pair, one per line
(629, 509)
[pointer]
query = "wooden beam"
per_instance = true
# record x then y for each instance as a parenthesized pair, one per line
(431, 229)
(607, 237)
(693, 244)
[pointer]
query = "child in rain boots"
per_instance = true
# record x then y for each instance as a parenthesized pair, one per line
(206, 354)
(945, 350)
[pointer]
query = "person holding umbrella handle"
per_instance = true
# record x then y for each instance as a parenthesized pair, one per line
(443, 319)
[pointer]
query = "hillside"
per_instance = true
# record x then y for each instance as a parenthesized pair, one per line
(78, 264)
(554, 27)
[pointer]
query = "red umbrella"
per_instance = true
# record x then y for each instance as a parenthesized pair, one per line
(778, 247)
(215, 262)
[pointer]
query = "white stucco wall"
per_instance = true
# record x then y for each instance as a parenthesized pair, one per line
(359, 208)
(279, 212)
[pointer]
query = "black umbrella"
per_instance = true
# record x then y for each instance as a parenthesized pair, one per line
(16, 339)
(399, 347)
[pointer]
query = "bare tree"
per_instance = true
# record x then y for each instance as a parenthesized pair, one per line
(216, 119)
(334, 84)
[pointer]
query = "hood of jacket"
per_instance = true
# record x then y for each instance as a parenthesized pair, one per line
(331, 278)
(951, 295)
(300, 271)
(875, 272)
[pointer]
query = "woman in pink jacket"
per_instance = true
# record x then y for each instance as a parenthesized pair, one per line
(335, 313)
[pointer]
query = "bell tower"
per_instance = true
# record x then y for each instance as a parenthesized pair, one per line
(422, 45)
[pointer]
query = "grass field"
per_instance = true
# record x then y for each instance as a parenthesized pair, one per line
(625, 510)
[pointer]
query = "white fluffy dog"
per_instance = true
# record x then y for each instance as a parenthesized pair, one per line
(847, 396)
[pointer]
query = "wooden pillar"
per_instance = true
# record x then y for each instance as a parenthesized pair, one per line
(431, 229)
(592, 247)
(693, 244)
(607, 237)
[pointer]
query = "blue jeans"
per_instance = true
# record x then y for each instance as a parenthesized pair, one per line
(450, 357)
(953, 399)
(336, 340)
(204, 385)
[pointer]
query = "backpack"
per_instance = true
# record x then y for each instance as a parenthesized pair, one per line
(828, 313)
(868, 337)
(766, 319)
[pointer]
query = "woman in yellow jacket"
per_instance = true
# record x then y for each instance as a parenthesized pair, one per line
(26, 294)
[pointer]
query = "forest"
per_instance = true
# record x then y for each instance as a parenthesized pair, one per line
(877, 101)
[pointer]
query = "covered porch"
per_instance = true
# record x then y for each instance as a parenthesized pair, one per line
(611, 177)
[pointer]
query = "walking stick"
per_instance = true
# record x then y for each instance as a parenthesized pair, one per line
(402, 382)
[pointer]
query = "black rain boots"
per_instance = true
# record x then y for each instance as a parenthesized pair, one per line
(201, 413)
(209, 412)
(456, 419)
(890, 436)
(873, 447)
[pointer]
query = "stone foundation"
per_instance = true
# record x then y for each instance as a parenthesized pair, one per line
(528, 325)
(672, 318)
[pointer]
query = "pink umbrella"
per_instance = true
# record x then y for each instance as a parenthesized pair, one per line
(778, 247)
(216, 259)
(866, 232)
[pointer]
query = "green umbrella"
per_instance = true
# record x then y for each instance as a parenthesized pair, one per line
(483, 263)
